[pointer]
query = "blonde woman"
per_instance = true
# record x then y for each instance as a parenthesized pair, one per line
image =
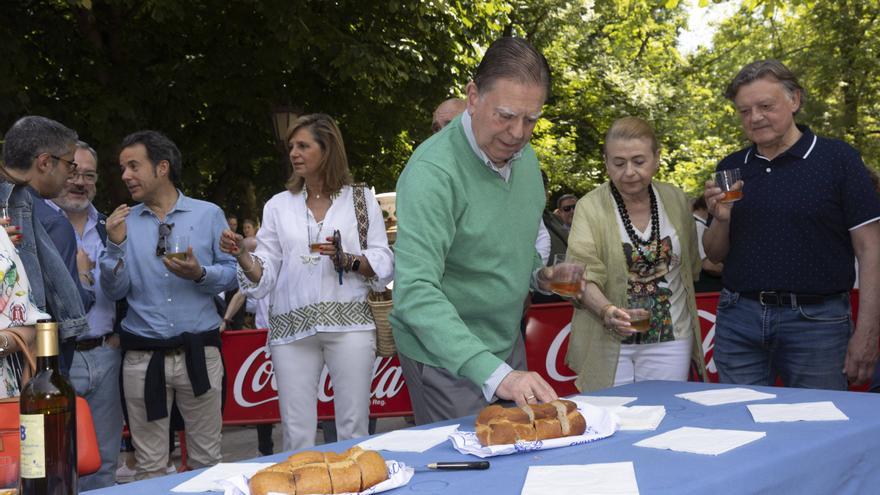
(316, 315)
(637, 240)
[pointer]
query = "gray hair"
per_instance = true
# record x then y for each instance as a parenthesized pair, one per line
(515, 59)
(33, 135)
(82, 145)
(765, 69)
(159, 148)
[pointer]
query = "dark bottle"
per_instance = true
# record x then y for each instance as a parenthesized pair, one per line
(48, 423)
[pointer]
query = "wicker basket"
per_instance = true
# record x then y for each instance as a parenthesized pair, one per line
(381, 304)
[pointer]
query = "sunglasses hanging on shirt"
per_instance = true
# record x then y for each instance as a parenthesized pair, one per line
(164, 232)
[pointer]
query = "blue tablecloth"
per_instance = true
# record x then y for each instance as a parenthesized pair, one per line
(834, 457)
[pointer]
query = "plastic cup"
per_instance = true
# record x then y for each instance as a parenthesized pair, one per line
(639, 310)
(725, 180)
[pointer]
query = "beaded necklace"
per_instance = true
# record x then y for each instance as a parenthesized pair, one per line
(630, 231)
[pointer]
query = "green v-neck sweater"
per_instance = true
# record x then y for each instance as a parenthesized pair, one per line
(464, 255)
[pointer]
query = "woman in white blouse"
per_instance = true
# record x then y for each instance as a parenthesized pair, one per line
(316, 317)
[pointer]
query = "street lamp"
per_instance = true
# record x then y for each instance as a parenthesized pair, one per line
(282, 118)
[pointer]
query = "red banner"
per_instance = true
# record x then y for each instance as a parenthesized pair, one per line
(251, 393)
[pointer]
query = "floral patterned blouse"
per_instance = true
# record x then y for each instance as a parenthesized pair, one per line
(16, 309)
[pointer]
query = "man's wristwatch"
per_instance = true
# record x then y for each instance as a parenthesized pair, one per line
(4, 344)
(202, 276)
(355, 264)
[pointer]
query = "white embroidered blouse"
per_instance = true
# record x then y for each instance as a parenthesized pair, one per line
(305, 296)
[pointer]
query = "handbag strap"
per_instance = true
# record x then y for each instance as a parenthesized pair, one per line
(29, 366)
(360, 212)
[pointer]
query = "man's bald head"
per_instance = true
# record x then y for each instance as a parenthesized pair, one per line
(447, 111)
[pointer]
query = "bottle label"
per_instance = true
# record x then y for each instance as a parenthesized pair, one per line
(33, 446)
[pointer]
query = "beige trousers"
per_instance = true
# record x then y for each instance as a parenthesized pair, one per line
(201, 415)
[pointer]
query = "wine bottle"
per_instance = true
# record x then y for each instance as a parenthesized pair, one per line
(48, 423)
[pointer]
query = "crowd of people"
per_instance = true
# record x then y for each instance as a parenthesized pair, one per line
(135, 293)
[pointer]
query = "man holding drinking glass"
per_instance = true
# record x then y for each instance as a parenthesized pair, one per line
(807, 207)
(169, 335)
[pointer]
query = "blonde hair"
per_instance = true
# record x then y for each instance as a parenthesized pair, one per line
(334, 163)
(631, 128)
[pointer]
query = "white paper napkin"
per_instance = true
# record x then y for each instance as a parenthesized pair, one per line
(399, 475)
(608, 401)
(209, 480)
(701, 440)
(717, 397)
(409, 440)
(616, 478)
(804, 411)
(600, 424)
(639, 417)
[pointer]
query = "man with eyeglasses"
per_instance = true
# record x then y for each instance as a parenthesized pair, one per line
(565, 209)
(39, 157)
(95, 369)
(458, 290)
(170, 334)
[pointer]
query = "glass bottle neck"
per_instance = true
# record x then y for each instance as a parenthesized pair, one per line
(48, 362)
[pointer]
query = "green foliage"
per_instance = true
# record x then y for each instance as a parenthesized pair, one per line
(209, 72)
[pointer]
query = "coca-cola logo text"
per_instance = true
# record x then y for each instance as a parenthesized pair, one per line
(255, 384)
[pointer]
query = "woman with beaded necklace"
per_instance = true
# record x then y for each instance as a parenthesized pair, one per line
(318, 311)
(637, 239)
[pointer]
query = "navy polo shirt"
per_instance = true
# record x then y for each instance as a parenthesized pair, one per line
(791, 229)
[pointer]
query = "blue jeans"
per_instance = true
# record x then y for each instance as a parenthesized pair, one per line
(95, 376)
(805, 345)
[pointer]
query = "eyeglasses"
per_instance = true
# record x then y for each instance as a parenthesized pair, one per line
(567, 208)
(71, 165)
(87, 177)
(164, 232)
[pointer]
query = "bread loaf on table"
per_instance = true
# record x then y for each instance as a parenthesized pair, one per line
(308, 473)
(498, 425)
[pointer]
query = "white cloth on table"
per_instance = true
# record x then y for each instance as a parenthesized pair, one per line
(717, 397)
(613, 478)
(707, 441)
(804, 411)
(409, 440)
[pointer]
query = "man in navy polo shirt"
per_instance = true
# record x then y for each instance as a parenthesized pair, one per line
(808, 207)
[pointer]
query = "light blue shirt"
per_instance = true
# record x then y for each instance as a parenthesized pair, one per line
(103, 312)
(162, 305)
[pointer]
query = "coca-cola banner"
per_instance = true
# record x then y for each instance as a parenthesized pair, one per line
(251, 393)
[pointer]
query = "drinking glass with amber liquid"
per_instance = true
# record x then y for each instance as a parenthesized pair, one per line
(726, 180)
(639, 310)
(566, 277)
(176, 246)
(316, 247)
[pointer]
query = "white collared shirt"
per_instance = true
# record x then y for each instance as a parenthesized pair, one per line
(503, 171)
(102, 314)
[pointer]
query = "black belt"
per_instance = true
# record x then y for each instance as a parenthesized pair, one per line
(774, 298)
(89, 344)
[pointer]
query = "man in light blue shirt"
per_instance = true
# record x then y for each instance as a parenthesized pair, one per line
(170, 333)
(94, 371)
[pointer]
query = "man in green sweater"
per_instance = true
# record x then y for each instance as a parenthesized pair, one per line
(468, 207)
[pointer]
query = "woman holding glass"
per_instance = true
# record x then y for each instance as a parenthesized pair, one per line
(318, 311)
(636, 238)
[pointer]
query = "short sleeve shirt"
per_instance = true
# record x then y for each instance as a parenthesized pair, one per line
(791, 229)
